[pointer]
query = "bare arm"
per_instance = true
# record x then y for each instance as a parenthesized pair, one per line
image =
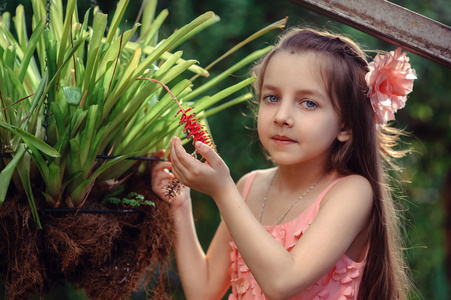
(203, 276)
(280, 274)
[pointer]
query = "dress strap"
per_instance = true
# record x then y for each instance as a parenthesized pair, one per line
(324, 192)
(247, 184)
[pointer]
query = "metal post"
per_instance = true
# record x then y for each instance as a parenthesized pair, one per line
(391, 23)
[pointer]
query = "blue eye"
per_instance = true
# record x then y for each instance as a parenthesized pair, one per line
(271, 98)
(309, 104)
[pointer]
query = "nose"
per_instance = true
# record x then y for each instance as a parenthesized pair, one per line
(283, 115)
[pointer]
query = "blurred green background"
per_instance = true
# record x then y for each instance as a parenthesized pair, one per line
(426, 116)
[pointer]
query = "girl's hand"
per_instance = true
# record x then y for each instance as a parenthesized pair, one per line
(161, 179)
(210, 177)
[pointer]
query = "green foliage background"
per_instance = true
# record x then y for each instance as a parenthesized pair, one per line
(426, 116)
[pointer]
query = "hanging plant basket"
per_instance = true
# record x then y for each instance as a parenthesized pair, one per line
(106, 251)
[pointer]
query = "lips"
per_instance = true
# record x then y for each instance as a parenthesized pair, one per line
(282, 140)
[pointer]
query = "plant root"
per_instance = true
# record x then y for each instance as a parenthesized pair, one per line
(106, 254)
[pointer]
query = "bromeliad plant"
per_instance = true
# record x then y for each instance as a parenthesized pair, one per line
(71, 92)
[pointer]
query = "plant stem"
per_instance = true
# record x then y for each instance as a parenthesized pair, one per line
(167, 89)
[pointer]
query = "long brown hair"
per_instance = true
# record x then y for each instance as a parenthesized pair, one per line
(370, 152)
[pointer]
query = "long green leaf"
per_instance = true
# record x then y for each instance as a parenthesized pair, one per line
(7, 173)
(148, 14)
(147, 50)
(198, 29)
(75, 199)
(228, 104)
(156, 111)
(100, 23)
(24, 173)
(31, 140)
(150, 36)
(113, 51)
(29, 50)
(70, 7)
(19, 23)
(117, 17)
(278, 24)
(125, 81)
(214, 81)
(208, 102)
(89, 132)
(165, 45)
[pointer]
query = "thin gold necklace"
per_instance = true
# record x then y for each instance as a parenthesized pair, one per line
(289, 208)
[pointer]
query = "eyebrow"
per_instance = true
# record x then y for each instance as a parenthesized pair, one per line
(301, 91)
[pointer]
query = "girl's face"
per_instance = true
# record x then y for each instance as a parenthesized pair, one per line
(296, 121)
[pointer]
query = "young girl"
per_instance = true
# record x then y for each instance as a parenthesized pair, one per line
(322, 223)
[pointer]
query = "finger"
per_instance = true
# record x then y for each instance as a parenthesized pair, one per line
(208, 154)
(161, 166)
(159, 154)
(173, 158)
(182, 161)
(179, 156)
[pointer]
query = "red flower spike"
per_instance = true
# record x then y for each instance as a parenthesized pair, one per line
(192, 127)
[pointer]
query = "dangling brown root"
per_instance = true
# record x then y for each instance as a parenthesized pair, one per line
(106, 254)
(20, 263)
(173, 188)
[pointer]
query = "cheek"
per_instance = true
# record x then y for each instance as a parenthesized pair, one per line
(263, 124)
(260, 126)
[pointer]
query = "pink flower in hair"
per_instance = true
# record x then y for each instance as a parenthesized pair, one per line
(390, 79)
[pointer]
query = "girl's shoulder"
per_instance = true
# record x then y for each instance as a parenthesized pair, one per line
(352, 189)
(255, 177)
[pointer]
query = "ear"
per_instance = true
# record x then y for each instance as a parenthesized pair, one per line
(344, 134)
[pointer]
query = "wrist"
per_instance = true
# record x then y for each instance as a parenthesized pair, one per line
(228, 189)
(181, 204)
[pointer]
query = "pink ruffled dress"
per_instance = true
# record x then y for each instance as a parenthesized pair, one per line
(340, 283)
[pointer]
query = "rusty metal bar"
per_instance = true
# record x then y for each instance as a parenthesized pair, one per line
(391, 23)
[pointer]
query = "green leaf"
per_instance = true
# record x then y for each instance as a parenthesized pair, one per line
(24, 173)
(53, 181)
(117, 17)
(100, 23)
(73, 161)
(142, 127)
(59, 119)
(70, 7)
(214, 81)
(19, 23)
(147, 50)
(278, 24)
(165, 45)
(198, 29)
(75, 199)
(228, 104)
(89, 132)
(209, 101)
(72, 94)
(148, 14)
(113, 51)
(125, 81)
(10, 56)
(7, 173)
(109, 164)
(150, 36)
(29, 51)
(78, 116)
(31, 140)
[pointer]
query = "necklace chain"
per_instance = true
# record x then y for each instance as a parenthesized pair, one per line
(289, 208)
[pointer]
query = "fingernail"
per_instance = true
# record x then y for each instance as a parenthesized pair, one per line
(199, 145)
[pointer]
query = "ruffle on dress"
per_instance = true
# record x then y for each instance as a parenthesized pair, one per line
(343, 279)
